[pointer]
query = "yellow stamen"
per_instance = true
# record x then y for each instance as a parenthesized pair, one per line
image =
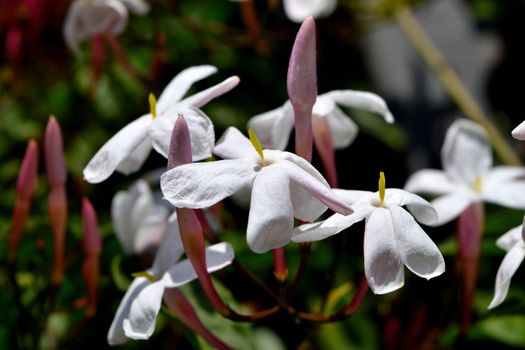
(478, 184)
(152, 105)
(381, 188)
(146, 275)
(256, 144)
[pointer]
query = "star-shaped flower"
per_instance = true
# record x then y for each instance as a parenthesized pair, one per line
(86, 18)
(138, 310)
(138, 221)
(127, 150)
(468, 176)
(392, 236)
(283, 186)
(274, 127)
(513, 242)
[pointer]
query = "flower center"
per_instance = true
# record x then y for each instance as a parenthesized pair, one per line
(152, 105)
(257, 145)
(381, 186)
(478, 184)
(146, 275)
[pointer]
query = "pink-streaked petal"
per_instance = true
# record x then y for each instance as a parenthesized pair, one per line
(466, 153)
(418, 252)
(233, 145)
(383, 264)
(507, 269)
(450, 206)
(331, 226)
(200, 185)
(342, 128)
(519, 132)
(367, 101)
(200, 126)
(273, 128)
(116, 335)
(430, 181)
(298, 10)
(140, 322)
(114, 151)
(180, 84)
(203, 97)
(510, 238)
(270, 221)
(422, 210)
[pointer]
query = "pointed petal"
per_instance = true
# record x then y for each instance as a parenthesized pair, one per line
(363, 100)
(273, 128)
(416, 249)
(143, 312)
(507, 269)
(270, 220)
(430, 181)
(519, 132)
(233, 145)
(180, 84)
(466, 154)
(342, 128)
(383, 265)
(510, 238)
(200, 126)
(201, 98)
(134, 161)
(116, 335)
(450, 206)
(114, 151)
(201, 185)
(422, 210)
(331, 226)
(298, 10)
(505, 186)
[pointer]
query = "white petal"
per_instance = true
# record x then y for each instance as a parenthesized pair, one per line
(233, 144)
(201, 185)
(180, 84)
(116, 335)
(331, 226)
(170, 250)
(200, 126)
(298, 10)
(383, 265)
(508, 267)
(151, 230)
(519, 132)
(342, 128)
(450, 206)
(134, 161)
(120, 146)
(270, 221)
(422, 210)
(505, 186)
(466, 152)
(218, 256)
(510, 238)
(352, 196)
(201, 98)
(143, 312)
(138, 7)
(430, 181)
(273, 128)
(417, 250)
(363, 100)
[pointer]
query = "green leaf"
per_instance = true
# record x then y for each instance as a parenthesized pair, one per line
(508, 329)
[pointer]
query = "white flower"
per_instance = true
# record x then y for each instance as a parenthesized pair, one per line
(138, 310)
(468, 176)
(283, 186)
(298, 10)
(392, 236)
(519, 132)
(274, 127)
(513, 242)
(86, 18)
(127, 150)
(138, 221)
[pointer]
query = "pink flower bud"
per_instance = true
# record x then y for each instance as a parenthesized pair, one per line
(92, 248)
(54, 153)
(13, 45)
(57, 208)
(180, 144)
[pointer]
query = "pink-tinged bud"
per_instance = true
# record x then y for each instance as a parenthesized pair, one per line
(54, 154)
(57, 208)
(25, 186)
(302, 86)
(185, 312)
(325, 148)
(13, 45)
(180, 144)
(92, 249)
(470, 229)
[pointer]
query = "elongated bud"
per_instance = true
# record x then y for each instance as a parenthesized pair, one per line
(182, 308)
(57, 203)
(302, 86)
(180, 144)
(92, 249)
(25, 186)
